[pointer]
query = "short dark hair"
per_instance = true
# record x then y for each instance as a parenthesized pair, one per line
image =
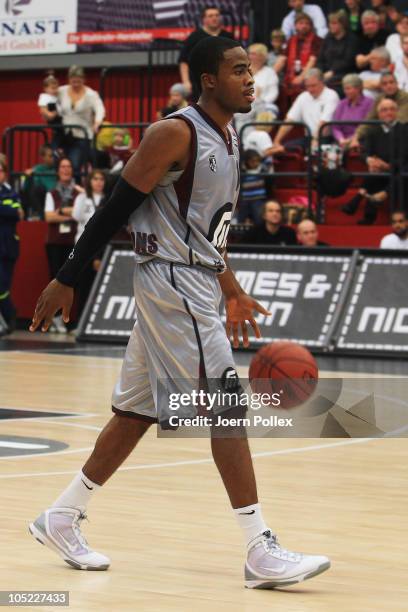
(63, 159)
(271, 201)
(249, 154)
(45, 147)
(210, 7)
(207, 56)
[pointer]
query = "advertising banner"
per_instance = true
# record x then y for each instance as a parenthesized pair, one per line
(376, 318)
(31, 27)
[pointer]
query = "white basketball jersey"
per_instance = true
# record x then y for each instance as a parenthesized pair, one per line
(186, 217)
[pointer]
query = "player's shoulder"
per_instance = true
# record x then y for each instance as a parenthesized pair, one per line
(172, 133)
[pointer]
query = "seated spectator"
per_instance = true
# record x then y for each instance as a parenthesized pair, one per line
(371, 38)
(271, 231)
(177, 100)
(354, 11)
(313, 10)
(301, 54)
(121, 149)
(10, 213)
(354, 107)
(85, 205)
(382, 145)
(338, 51)
(40, 178)
(253, 188)
(389, 90)
(393, 43)
(387, 13)
(379, 63)
(260, 139)
(401, 65)
(399, 237)
(314, 107)
(61, 226)
(276, 56)
(308, 234)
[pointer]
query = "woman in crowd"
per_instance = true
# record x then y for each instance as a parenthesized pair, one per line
(354, 107)
(177, 100)
(354, 11)
(61, 226)
(338, 51)
(84, 207)
(82, 106)
(10, 213)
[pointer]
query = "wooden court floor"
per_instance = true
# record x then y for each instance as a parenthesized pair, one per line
(164, 518)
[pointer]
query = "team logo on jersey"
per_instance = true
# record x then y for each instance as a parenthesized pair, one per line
(219, 227)
(213, 163)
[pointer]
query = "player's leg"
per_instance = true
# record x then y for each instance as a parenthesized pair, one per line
(58, 527)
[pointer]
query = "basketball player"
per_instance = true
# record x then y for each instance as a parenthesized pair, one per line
(179, 190)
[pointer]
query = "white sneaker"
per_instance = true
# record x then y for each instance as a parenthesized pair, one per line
(59, 529)
(269, 566)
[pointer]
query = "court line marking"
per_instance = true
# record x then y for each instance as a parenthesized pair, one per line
(69, 451)
(209, 460)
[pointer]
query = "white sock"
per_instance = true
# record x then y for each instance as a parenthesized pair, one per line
(251, 521)
(77, 494)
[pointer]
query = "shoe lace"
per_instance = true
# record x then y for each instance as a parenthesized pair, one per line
(77, 529)
(273, 546)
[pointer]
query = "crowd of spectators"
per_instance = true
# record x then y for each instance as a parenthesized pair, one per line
(351, 66)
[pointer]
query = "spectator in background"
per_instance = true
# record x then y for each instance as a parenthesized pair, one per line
(85, 205)
(10, 213)
(313, 10)
(314, 107)
(338, 51)
(389, 90)
(61, 226)
(387, 13)
(399, 237)
(39, 179)
(371, 38)
(82, 106)
(379, 64)
(121, 149)
(308, 234)
(393, 43)
(271, 231)
(382, 146)
(401, 65)
(276, 55)
(211, 25)
(177, 100)
(50, 110)
(253, 188)
(301, 54)
(354, 107)
(354, 11)
(260, 139)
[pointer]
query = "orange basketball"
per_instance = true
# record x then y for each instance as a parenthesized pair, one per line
(286, 368)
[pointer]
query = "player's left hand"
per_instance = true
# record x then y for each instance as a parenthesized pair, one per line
(241, 309)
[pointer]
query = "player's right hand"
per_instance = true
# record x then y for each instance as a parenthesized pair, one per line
(55, 296)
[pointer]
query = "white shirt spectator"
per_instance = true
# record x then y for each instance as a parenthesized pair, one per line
(45, 99)
(88, 110)
(315, 13)
(369, 75)
(258, 140)
(392, 241)
(84, 208)
(267, 81)
(312, 111)
(401, 74)
(393, 46)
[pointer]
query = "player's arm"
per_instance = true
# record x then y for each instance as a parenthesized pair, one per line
(239, 307)
(165, 145)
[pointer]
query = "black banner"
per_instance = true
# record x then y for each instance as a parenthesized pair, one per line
(300, 290)
(376, 317)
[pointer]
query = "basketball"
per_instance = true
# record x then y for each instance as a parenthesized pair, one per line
(286, 368)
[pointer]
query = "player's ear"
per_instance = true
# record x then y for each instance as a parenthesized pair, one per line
(208, 81)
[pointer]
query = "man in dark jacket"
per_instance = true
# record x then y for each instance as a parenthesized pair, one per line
(271, 231)
(385, 147)
(338, 51)
(10, 213)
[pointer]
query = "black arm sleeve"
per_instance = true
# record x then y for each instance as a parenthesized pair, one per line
(106, 221)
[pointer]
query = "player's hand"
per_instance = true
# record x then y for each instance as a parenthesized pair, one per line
(241, 309)
(55, 296)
